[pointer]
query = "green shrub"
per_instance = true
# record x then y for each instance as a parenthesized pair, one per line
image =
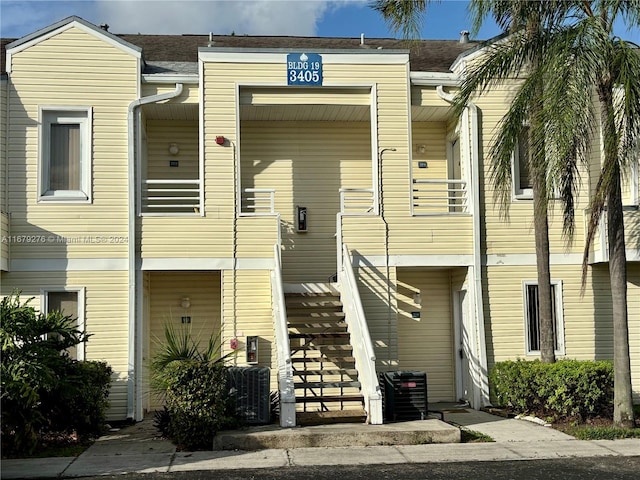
(197, 399)
(564, 389)
(82, 405)
(43, 389)
(194, 383)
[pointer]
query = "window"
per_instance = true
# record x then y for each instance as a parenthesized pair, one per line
(532, 317)
(69, 302)
(65, 154)
(522, 181)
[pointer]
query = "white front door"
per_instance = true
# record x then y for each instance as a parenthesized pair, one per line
(463, 334)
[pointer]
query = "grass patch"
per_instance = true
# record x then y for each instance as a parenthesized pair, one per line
(471, 436)
(586, 432)
(51, 446)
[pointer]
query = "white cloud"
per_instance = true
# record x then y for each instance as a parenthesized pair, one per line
(253, 17)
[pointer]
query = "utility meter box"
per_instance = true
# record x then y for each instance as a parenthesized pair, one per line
(252, 350)
(301, 219)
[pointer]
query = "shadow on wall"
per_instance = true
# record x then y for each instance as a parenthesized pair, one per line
(377, 297)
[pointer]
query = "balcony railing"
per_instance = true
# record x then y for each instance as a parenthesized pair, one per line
(438, 197)
(171, 196)
(257, 201)
(356, 201)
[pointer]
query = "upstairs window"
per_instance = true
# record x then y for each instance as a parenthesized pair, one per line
(65, 154)
(522, 179)
(532, 317)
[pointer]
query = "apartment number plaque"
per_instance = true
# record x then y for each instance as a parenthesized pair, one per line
(304, 69)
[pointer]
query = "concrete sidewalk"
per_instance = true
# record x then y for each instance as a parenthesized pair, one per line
(135, 449)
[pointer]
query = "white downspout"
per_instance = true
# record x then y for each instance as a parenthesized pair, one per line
(134, 399)
(481, 393)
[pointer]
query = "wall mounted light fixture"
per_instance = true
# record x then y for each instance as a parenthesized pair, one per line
(174, 149)
(185, 302)
(417, 298)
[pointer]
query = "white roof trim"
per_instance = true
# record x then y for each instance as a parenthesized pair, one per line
(459, 64)
(169, 78)
(434, 78)
(48, 32)
(348, 57)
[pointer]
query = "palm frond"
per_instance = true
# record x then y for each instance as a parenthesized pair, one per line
(404, 16)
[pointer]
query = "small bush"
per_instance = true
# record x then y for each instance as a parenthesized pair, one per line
(197, 399)
(44, 391)
(564, 389)
(82, 405)
(195, 387)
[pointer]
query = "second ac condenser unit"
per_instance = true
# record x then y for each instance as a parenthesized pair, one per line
(404, 395)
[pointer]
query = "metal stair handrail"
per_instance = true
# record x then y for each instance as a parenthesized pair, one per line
(285, 368)
(363, 353)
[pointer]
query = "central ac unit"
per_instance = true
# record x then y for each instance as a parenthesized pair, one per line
(404, 395)
(249, 386)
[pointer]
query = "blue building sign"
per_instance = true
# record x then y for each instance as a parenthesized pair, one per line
(304, 69)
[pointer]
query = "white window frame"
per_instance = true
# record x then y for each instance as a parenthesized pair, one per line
(44, 302)
(560, 350)
(634, 181)
(81, 115)
(518, 192)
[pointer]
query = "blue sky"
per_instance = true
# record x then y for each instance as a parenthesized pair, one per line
(348, 18)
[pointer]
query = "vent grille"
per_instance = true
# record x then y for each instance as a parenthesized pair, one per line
(250, 390)
(404, 395)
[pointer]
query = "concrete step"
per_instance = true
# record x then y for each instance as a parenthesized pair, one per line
(354, 414)
(417, 432)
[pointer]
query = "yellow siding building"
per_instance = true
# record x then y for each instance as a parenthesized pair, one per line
(311, 202)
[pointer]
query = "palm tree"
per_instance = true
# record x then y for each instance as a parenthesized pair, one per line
(595, 61)
(518, 54)
(568, 52)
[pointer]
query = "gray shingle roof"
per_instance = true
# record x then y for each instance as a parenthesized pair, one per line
(425, 55)
(180, 50)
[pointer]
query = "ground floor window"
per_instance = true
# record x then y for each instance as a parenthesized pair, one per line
(532, 317)
(69, 302)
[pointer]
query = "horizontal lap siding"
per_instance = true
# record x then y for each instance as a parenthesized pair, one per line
(304, 96)
(379, 304)
(516, 235)
(160, 134)
(250, 299)
(306, 163)
(71, 68)
(428, 97)
(426, 343)
(257, 236)
(3, 152)
(166, 291)
(587, 330)
(106, 318)
(633, 306)
(190, 93)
